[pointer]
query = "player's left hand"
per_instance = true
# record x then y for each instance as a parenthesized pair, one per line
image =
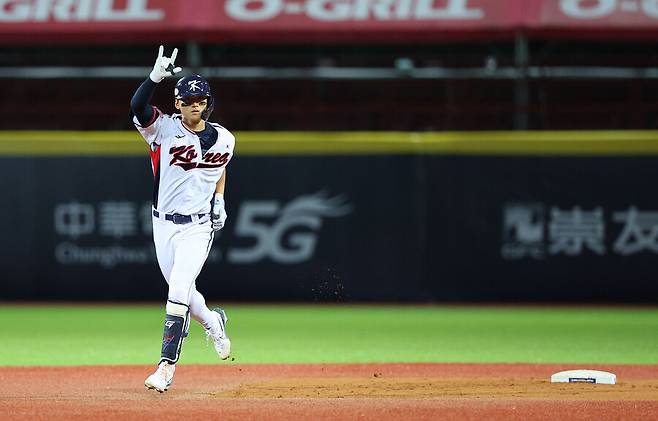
(218, 214)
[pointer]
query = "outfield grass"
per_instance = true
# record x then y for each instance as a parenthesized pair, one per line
(83, 335)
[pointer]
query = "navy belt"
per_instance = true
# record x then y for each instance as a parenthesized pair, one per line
(178, 218)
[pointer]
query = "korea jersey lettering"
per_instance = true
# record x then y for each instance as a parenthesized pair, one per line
(184, 177)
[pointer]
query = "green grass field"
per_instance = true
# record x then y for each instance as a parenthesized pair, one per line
(131, 334)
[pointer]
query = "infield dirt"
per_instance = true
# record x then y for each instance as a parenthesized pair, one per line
(349, 391)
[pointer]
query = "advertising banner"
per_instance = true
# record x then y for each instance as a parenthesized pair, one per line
(383, 227)
(271, 21)
(594, 14)
(544, 229)
(312, 228)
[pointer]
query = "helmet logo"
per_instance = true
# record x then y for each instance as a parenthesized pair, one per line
(192, 85)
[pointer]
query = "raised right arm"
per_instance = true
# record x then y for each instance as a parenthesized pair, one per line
(140, 104)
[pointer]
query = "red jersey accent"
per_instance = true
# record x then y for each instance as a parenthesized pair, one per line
(155, 159)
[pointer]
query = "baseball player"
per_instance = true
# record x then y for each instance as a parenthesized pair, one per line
(189, 156)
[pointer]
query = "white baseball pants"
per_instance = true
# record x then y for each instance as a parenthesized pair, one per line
(182, 249)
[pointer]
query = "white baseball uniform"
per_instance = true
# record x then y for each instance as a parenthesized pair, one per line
(184, 184)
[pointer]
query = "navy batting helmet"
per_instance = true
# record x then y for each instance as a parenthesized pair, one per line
(195, 85)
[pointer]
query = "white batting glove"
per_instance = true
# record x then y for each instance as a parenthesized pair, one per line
(164, 66)
(218, 215)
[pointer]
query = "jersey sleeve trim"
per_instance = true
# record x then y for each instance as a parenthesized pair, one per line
(156, 114)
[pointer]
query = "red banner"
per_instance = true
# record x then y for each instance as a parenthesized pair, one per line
(596, 14)
(607, 20)
(38, 21)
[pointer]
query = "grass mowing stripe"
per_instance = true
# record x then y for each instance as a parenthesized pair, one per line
(131, 334)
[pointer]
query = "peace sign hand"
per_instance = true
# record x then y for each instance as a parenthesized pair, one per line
(164, 66)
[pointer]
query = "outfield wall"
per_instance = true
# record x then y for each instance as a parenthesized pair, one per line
(550, 216)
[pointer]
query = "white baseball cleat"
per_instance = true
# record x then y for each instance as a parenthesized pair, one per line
(162, 378)
(218, 335)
